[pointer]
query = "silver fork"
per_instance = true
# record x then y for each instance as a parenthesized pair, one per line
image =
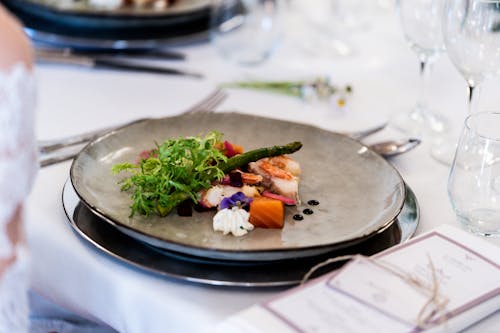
(59, 150)
(205, 105)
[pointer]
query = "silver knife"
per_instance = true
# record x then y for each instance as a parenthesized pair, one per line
(142, 53)
(68, 58)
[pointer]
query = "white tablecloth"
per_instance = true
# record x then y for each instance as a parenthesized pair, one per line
(384, 75)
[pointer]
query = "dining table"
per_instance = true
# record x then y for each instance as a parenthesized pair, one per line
(72, 280)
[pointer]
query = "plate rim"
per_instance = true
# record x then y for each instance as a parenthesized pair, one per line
(47, 26)
(234, 252)
(51, 38)
(125, 13)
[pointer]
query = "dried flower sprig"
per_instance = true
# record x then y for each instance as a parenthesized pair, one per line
(319, 88)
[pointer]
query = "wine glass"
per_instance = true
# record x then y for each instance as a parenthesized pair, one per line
(471, 30)
(421, 24)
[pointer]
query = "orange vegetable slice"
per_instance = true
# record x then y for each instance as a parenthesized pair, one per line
(231, 149)
(267, 213)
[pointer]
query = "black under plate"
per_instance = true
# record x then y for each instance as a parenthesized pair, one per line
(109, 240)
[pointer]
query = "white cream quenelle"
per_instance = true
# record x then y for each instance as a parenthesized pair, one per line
(232, 220)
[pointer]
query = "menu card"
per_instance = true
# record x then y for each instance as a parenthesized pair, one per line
(441, 281)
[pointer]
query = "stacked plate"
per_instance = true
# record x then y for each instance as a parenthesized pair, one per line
(364, 205)
(78, 24)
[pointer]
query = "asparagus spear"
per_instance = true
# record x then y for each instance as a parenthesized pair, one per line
(256, 154)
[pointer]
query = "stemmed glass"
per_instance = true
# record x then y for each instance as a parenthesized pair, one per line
(421, 24)
(471, 30)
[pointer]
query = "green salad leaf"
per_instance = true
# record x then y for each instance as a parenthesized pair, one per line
(175, 170)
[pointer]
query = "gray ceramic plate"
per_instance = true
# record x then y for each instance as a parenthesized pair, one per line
(184, 267)
(359, 192)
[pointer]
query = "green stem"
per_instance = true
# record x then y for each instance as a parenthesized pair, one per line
(282, 87)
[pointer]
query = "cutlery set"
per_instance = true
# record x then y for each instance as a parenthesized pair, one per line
(59, 150)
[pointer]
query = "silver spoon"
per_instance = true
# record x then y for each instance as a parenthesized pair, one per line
(392, 147)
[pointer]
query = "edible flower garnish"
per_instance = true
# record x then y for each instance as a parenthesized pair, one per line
(319, 88)
(236, 200)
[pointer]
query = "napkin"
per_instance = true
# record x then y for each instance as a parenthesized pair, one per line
(48, 317)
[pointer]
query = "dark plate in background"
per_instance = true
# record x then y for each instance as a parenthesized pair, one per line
(107, 29)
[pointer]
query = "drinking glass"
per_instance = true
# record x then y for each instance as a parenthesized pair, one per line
(474, 182)
(421, 24)
(312, 28)
(471, 30)
(246, 31)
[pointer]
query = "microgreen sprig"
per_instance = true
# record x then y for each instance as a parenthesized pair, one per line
(175, 170)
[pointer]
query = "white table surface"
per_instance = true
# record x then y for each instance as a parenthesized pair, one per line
(384, 75)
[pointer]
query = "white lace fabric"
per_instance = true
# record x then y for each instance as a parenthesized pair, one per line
(18, 166)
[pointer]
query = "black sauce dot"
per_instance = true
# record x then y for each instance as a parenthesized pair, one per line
(298, 217)
(313, 202)
(307, 211)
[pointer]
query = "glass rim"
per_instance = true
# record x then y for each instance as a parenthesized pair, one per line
(477, 115)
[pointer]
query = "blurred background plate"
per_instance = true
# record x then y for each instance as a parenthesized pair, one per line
(120, 28)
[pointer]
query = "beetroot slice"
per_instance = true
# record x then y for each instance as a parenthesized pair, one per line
(185, 208)
(285, 200)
